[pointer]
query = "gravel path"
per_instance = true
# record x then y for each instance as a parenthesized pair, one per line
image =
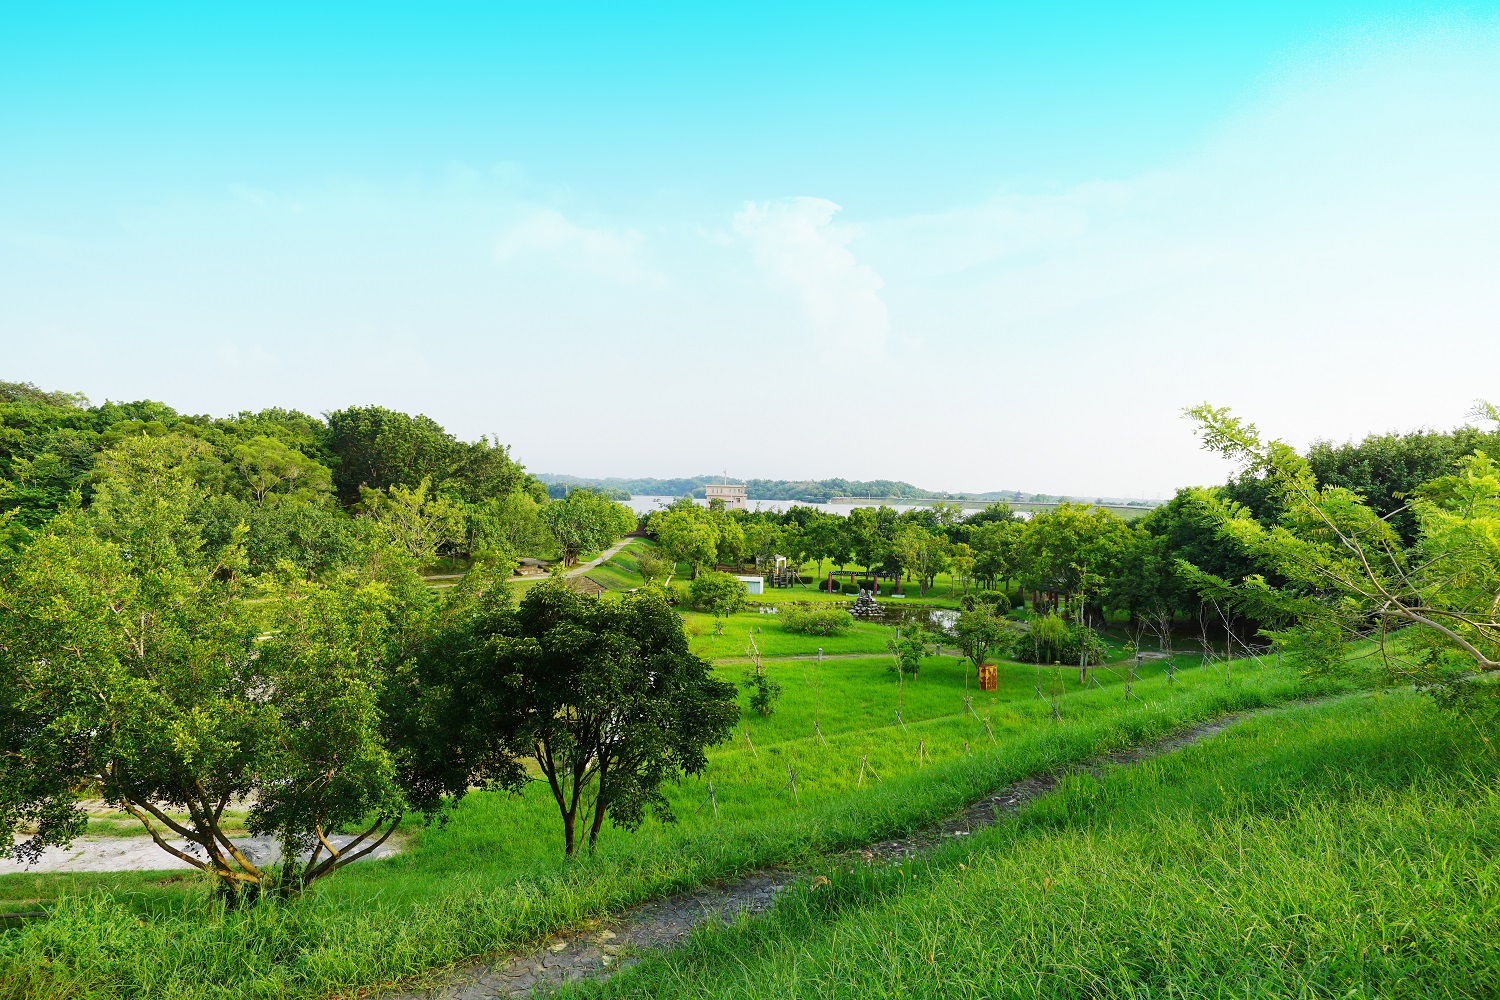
(603, 947)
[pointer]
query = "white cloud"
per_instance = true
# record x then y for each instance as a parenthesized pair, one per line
(618, 255)
(796, 244)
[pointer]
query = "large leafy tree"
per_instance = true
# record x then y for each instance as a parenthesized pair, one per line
(583, 521)
(993, 544)
(131, 663)
(374, 448)
(1386, 470)
(608, 701)
(1346, 571)
(1071, 551)
(269, 466)
(417, 520)
(686, 533)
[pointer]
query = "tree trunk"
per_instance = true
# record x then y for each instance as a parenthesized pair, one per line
(599, 806)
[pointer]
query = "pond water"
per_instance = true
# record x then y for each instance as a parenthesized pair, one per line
(896, 614)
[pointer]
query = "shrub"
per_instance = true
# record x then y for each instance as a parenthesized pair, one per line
(717, 592)
(763, 692)
(816, 621)
(1053, 640)
(998, 601)
(852, 588)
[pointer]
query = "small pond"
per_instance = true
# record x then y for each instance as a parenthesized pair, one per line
(896, 614)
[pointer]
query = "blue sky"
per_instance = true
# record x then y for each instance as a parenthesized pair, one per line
(971, 246)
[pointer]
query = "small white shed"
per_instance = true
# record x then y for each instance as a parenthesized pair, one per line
(753, 584)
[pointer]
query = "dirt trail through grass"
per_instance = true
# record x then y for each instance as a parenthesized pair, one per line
(603, 947)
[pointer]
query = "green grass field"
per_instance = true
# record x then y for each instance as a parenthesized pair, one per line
(1346, 849)
(493, 877)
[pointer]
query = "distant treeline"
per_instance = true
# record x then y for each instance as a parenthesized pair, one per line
(814, 490)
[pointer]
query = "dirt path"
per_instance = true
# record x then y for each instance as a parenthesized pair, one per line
(616, 942)
(600, 559)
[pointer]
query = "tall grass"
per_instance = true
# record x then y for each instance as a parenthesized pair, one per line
(1346, 850)
(493, 877)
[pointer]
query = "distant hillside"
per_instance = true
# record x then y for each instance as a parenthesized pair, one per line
(815, 490)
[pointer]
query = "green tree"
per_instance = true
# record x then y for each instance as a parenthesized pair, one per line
(908, 647)
(719, 593)
(375, 448)
(652, 565)
(128, 663)
(1347, 572)
(962, 561)
(512, 522)
(584, 521)
(610, 702)
(268, 465)
(686, 533)
(416, 521)
(980, 635)
(326, 764)
(994, 545)
(1071, 551)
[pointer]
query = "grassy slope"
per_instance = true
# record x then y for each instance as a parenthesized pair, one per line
(1347, 849)
(492, 877)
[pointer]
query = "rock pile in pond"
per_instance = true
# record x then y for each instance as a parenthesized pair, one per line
(865, 605)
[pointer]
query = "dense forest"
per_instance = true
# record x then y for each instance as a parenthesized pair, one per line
(302, 491)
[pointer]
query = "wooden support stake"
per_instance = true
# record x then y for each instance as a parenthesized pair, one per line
(752, 745)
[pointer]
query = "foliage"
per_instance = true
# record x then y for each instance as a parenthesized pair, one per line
(981, 635)
(269, 465)
(700, 537)
(374, 448)
(908, 647)
(129, 661)
(1387, 470)
(511, 523)
(610, 701)
(815, 621)
(584, 521)
(415, 521)
(1070, 550)
(1051, 639)
(1347, 571)
(652, 565)
(719, 593)
(763, 692)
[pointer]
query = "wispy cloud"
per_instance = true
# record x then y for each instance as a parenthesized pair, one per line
(796, 244)
(618, 255)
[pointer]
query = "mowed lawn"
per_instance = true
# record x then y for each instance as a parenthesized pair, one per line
(493, 877)
(1346, 849)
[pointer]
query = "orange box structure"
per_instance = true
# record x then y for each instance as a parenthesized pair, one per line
(987, 681)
